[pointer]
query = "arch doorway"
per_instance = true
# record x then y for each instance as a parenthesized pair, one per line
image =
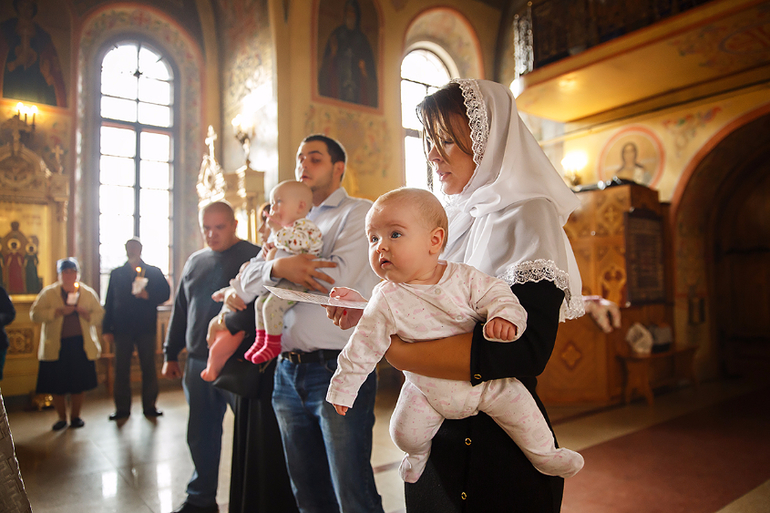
(722, 226)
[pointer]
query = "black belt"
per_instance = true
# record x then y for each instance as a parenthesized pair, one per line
(318, 356)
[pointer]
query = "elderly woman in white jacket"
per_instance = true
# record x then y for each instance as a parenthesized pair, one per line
(70, 313)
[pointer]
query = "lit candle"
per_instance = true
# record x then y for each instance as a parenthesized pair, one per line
(72, 297)
(140, 282)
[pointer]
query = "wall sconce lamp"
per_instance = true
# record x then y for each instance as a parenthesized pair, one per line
(573, 163)
(244, 132)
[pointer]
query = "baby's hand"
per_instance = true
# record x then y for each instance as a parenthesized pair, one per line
(219, 295)
(240, 271)
(500, 329)
(345, 318)
(216, 325)
(342, 410)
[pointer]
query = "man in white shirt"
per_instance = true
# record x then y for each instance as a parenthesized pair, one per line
(328, 455)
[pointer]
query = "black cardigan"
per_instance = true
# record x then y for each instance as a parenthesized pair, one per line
(7, 315)
(474, 466)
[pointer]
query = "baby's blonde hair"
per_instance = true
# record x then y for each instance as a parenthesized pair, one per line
(428, 206)
(298, 190)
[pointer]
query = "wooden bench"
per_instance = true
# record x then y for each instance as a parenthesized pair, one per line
(645, 372)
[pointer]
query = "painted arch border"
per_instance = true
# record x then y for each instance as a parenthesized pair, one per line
(470, 67)
(132, 20)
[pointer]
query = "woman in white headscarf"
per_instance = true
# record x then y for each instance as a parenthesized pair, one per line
(507, 206)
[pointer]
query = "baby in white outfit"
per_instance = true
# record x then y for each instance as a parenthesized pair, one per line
(424, 298)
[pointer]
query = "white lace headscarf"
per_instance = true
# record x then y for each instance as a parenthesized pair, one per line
(508, 220)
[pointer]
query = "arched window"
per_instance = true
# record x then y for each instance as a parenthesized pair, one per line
(136, 155)
(422, 73)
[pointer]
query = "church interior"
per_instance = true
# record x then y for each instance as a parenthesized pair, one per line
(123, 118)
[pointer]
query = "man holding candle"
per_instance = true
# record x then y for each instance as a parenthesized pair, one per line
(70, 313)
(131, 311)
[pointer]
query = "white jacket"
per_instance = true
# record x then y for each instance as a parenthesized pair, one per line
(44, 311)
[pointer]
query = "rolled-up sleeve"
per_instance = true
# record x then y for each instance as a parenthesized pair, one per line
(253, 279)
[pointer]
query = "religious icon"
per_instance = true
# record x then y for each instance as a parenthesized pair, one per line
(348, 66)
(631, 168)
(19, 262)
(634, 154)
(14, 265)
(33, 284)
(31, 70)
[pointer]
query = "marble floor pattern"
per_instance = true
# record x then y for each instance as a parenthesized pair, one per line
(142, 466)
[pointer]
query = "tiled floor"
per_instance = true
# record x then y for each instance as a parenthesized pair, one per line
(142, 466)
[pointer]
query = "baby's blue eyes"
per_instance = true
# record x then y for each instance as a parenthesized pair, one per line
(373, 239)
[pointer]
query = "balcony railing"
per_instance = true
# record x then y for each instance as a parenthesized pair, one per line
(546, 31)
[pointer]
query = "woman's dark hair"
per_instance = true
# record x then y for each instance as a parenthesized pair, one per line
(264, 209)
(444, 116)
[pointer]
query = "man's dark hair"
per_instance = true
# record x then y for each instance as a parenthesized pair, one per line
(335, 149)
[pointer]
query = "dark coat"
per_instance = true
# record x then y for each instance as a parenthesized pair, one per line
(126, 313)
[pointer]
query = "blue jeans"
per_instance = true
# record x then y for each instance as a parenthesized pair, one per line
(208, 405)
(327, 455)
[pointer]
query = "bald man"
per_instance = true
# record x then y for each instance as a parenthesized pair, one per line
(205, 272)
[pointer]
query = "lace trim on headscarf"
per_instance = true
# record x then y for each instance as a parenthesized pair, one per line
(477, 115)
(539, 270)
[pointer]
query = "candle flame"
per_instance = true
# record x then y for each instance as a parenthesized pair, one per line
(138, 270)
(77, 285)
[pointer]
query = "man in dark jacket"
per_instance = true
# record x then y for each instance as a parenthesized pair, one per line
(131, 312)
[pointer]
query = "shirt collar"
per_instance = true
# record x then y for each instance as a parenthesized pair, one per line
(334, 199)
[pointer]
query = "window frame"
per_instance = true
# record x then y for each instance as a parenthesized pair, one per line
(449, 65)
(97, 121)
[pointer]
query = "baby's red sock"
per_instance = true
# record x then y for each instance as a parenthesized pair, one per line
(269, 350)
(256, 346)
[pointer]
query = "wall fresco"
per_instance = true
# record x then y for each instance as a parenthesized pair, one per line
(35, 52)
(450, 30)
(366, 139)
(730, 44)
(248, 68)
(685, 127)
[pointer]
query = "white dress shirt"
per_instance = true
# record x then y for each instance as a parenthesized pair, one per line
(342, 222)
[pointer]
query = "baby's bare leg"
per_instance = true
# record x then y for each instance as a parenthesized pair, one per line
(221, 349)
